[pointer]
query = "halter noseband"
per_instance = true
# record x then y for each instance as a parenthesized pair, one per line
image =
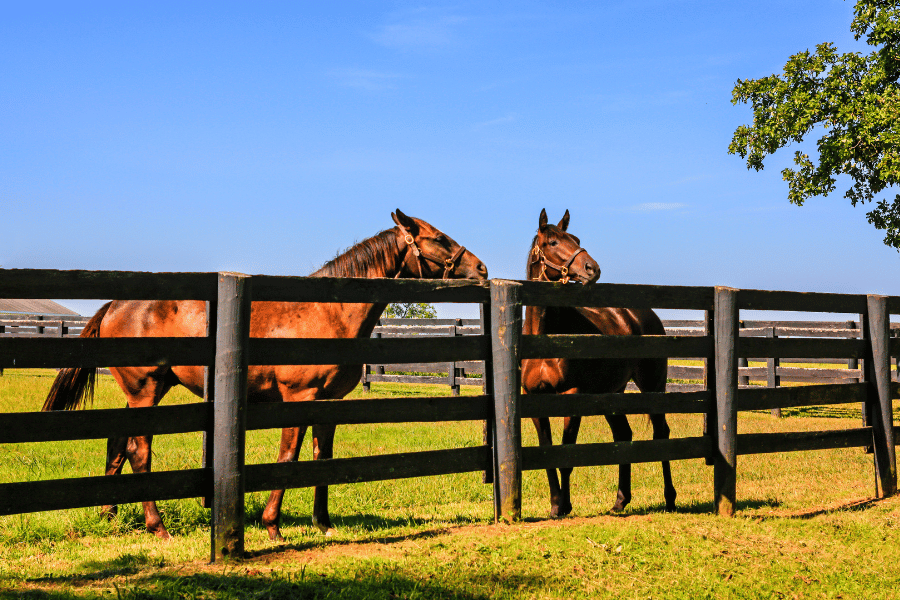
(563, 269)
(449, 264)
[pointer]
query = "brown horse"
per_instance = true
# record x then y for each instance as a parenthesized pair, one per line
(557, 256)
(412, 249)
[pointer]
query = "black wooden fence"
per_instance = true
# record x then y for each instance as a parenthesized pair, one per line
(227, 350)
(422, 372)
(776, 371)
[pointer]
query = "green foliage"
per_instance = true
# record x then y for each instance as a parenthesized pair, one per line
(856, 100)
(410, 310)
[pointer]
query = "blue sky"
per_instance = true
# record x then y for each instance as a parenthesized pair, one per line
(266, 138)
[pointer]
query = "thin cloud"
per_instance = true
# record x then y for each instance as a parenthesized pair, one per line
(419, 31)
(366, 80)
(655, 206)
(499, 121)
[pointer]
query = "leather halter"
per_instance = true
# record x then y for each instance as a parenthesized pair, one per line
(449, 264)
(563, 269)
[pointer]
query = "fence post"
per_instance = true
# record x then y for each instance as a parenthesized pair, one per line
(230, 415)
(487, 389)
(451, 367)
(773, 380)
(209, 392)
(506, 330)
(367, 369)
(725, 456)
(709, 382)
(742, 362)
(878, 363)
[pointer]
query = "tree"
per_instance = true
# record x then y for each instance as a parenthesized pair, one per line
(856, 100)
(410, 310)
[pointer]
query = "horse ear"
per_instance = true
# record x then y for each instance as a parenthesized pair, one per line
(542, 221)
(564, 222)
(404, 221)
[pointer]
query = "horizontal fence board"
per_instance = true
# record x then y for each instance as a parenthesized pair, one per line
(423, 379)
(104, 352)
(78, 492)
(95, 285)
(471, 366)
(801, 301)
(367, 291)
(422, 329)
(400, 322)
(103, 423)
(791, 373)
(335, 471)
(681, 372)
(349, 351)
(569, 405)
(613, 453)
(760, 398)
(541, 293)
(272, 415)
(797, 441)
(799, 332)
(754, 324)
(613, 346)
(751, 347)
(676, 387)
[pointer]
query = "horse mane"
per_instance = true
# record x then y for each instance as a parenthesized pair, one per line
(379, 252)
(528, 262)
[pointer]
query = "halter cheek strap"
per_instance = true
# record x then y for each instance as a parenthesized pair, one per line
(563, 269)
(449, 264)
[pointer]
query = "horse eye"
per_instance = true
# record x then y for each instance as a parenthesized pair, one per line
(554, 242)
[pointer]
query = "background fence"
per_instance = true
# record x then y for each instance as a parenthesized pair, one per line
(775, 372)
(228, 350)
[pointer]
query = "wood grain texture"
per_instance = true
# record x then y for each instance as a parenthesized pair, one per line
(366, 468)
(334, 289)
(17, 428)
(77, 492)
(122, 285)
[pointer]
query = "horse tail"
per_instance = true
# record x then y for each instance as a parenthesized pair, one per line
(73, 385)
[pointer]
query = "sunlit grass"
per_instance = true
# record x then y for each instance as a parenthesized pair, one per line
(800, 527)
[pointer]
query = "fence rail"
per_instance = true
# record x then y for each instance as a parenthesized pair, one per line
(228, 351)
(778, 370)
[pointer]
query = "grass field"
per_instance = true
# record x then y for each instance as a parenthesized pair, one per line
(806, 527)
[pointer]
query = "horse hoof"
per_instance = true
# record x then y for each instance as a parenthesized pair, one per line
(163, 535)
(328, 530)
(275, 535)
(617, 507)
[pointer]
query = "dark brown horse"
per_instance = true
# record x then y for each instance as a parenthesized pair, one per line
(412, 249)
(556, 255)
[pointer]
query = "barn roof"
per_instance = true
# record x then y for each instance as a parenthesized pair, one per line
(35, 307)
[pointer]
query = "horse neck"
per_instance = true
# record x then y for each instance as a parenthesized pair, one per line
(535, 316)
(357, 319)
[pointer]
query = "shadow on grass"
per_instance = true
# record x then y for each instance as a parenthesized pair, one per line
(364, 522)
(367, 581)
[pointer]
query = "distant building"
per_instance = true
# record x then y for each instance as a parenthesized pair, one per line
(47, 308)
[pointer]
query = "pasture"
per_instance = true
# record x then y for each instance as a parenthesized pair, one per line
(806, 524)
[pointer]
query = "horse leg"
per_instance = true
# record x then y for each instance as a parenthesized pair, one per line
(323, 448)
(545, 438)
(569, 436)
(115, 459)
(621, 432)
(140, 453)
(661, 432)
(291, 439)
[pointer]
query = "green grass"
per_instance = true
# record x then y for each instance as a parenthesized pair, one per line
(806, 525)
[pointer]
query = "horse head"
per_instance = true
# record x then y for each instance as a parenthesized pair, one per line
(432, 254)
(557, 255)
